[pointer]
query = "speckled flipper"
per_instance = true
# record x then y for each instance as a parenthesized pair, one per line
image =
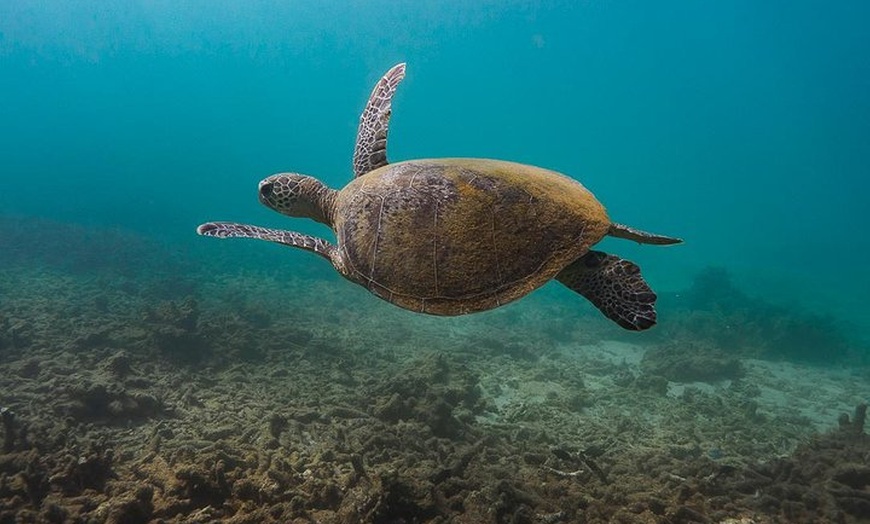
(288, 238)
(614, 286)
(371, 138)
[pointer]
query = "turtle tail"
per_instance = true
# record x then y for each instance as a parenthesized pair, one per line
(641, 237)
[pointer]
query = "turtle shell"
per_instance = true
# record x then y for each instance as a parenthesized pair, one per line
(455, 236)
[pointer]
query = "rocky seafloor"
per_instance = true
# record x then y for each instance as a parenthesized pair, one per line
(132, 395)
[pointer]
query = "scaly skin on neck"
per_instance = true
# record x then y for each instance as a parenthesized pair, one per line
(322, 200)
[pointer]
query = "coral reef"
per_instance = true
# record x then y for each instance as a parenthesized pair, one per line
(824, 480)
(173, 327)
(691, 362)
(76, 249)
(715, 311)
(268, 398)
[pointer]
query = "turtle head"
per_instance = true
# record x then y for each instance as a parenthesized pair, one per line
(298, 195)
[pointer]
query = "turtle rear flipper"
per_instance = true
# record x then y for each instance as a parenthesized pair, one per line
(614, 286)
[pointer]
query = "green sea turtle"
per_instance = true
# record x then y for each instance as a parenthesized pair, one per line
(451, 236)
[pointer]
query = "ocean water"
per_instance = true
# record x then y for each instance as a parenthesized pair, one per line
(742, 127)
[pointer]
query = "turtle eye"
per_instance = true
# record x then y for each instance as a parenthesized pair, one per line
(266, 190)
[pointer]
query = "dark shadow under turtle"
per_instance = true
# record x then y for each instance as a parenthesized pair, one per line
(451, 236)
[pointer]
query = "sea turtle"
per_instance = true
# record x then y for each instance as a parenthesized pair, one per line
(451, 236)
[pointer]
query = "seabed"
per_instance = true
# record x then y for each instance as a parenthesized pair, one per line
(138, 388)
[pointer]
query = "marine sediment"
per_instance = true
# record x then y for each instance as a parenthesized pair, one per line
(283, 398)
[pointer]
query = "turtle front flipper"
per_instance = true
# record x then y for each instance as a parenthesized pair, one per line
(287, 238)
(614, 286)
(371, 139)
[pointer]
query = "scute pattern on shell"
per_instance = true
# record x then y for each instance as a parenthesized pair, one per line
(450, 236)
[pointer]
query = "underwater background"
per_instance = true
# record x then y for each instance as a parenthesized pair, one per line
(741, 127)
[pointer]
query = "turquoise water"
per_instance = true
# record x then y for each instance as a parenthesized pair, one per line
(148, 374)
(740, 126)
